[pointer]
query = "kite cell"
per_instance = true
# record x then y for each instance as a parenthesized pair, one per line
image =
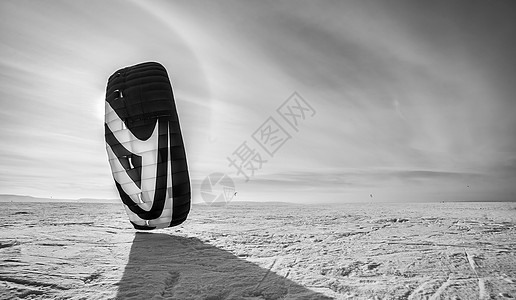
(145, 147)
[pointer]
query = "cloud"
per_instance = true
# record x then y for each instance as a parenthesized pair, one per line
(363, 185)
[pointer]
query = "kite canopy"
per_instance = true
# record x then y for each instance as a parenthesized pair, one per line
(145, 147)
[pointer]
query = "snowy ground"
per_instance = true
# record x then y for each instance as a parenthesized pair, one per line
(261, 251)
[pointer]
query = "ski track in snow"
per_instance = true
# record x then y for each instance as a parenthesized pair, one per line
(261, 251)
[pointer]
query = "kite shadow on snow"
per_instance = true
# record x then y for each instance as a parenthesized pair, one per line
(172, 267)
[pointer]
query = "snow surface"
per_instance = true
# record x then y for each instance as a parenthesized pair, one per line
(261, 251)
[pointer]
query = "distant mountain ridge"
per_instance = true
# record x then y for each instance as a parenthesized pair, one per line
(24, 198)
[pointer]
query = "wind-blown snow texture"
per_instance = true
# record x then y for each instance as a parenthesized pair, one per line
(261, 251)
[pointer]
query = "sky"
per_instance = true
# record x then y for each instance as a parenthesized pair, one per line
(396, 100)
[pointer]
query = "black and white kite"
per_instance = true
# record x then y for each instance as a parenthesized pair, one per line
(145, 146)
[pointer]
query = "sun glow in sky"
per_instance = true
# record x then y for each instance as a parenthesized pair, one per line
(413, 100)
